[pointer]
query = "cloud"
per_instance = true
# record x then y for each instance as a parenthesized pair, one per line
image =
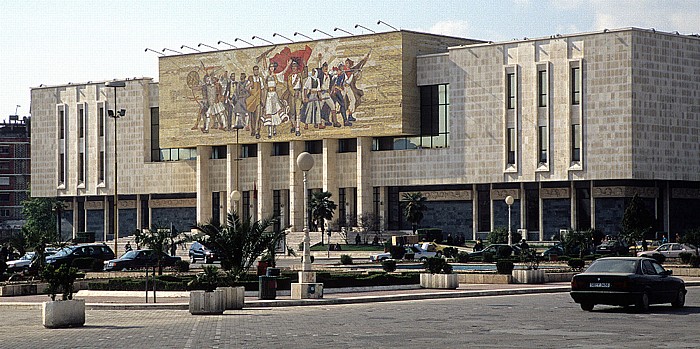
(450, 28)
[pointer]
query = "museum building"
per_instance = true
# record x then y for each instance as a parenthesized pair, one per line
(571, 126)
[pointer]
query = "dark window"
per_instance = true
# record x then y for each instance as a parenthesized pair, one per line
(61, 123)
(576, 85)
(532, 213)
(543, 140)
(101, 167)
(347, 145)
(245, 204)
(81, 168)
(218, 152)
(376, 200)
(155, 135)
(576, 142)
(215, 207)
(342, 199)
(81, 123)
(583, 208)
(484, 210)
(314, 147)
(4, 165)
(510, 90)
(4, 197)
(542, 88)
(101, 121)
(280, 148)
(4, 149)
(382, 143)
(62, 168)
(249, 151)
(511, 146)
(435, 121)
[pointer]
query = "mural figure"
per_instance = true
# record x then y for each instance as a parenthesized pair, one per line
(254, 102)
(214, 98)
(325, 96)
(294, 95)
(338, 93)
(275, 112)
(241, 93)
(312, 105)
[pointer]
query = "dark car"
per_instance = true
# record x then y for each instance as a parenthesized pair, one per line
(612, 247)
(503, 250)
(138, 259)
(626, 281)
(198, 251)
(69, 254)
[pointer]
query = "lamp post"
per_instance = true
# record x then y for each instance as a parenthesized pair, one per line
(305, 162)
(509, 202)
(235, 194)
(115, 114)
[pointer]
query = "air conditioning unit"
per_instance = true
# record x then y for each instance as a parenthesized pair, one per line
(563, 233)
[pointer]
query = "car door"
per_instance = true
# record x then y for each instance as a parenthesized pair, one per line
(675, 251)
(667, 285)
(653, 282)
(664, 249)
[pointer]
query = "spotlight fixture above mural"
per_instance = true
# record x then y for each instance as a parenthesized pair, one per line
(191, 48)
(343, 30)
(282, 36)
(239, 39)
(363, 27)
(322, 32)
(259, 38)
(224, 42)
(300, 34)
(205, 45)
(148, 49)
(167, 49)
(386, 24)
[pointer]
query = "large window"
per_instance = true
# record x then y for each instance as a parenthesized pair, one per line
(62, 169)
(81, 122)
(575, 85)
(542, 88)
(62, 123)
(347, 145)
(511, 146)
(155, 135)
(81, 168)
(178, 154)
(576, 142)
(101, 168)
(510, 90)
(101, 120)
(434, 118)
(280, 148)
(218, 152)
(543, 140)
(249, 151)
(314, 147)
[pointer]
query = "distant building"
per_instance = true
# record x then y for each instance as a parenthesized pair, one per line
(570, 126)
(15, 170)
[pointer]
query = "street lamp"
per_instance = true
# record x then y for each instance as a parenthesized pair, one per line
(305, 162)
(115, 113)
(235, 194)
(509, 202)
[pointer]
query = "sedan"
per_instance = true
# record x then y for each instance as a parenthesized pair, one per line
(494, 249)
(138, 259)
(626, 281)
(21, 263)
(670, 250)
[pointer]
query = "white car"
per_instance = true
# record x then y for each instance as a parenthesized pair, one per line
(670, 250)
(21, 263)
(420, 252)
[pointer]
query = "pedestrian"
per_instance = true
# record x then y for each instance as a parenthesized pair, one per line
(664, 239)
(127, 247)
(358, 239)
(523, 245)
(479, 245)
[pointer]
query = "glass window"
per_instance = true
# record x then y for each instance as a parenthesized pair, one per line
(101, 120)
(314, 147)
(249, 151)
(576, 85)
(4, 180)
(511, 146)
(218, 152)
(576, 142)
(62, 168)
(347, 145)
(510, 90)
(61, 123)
(81, 122)
(542, 88)
(543, 141)
(280, 148)
(81, 168)
(101, 167)
(434, 117)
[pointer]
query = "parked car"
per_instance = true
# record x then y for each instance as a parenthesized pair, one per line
(20, 264)
(203, 253)
(611, 247)
(419, 251)
(67, 255)
(626, 281)
(137, 259)
(670, 250)
(639, 246)
(509, 250)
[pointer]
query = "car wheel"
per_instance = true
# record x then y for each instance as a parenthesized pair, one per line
(423, 259)
(642, 304)
(679, 302)
(587, 306)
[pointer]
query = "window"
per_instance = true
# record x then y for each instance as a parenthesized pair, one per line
(347, 145)
(542, 88)
(280, 148)
(81, 168)
(249, 151)
(62, 168)
(576, 142)
(81, 122)
(4, 165)
(314, 147)
(101, 167)
(342, 212)
(434, 119)
(510, 90)
(543, 140)
(4, 213)
(382, 143)
(218, 152)
(61, 123)
(575, 85)
(4, 180)
(4, 197)
(101, 120)
(155, 135)
(4, 149)
(511, 146)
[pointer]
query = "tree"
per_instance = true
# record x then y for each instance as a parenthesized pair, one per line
(367, 222)
(322, 208)
(636, 222)
(500, 236)
(39, 229)
(239, 242)
(160, 240)
(577, 239)
(692, 237)
(414, 206)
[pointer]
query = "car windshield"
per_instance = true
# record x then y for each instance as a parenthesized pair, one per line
(613, 266)
(27, 256)
(129, 255)
(64, 252)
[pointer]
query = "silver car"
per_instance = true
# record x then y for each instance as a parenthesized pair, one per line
(670, 250)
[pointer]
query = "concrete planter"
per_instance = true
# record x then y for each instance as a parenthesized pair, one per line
(484, 278)
(234, 297)
(441, 281)
(62, 314)
(528, 276)
(207, 303)
(18, 290)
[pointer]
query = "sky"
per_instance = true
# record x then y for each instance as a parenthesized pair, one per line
(56, 42)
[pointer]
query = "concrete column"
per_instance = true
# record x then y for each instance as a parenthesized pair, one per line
(204, 209)
(573, 203)
(475, 211)
(330, 172)
(75, 217)
(296, 187)
(139, 214)
(264, 204)
(523, 208)
(383, 205)
(541, 203)
(364, 175)
(590, 189)
(106, 213)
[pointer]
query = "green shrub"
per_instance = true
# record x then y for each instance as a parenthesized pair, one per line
(694, 261)
(182, 266)
(576, 263)
(504, 267)
(450, 252)
(503, 252)
(345, 259)
(389, 265)
(434, 265)
(463, 257)
(447, 269)
(487, 257)
(207, 280)
(397, 252)
(685, 257)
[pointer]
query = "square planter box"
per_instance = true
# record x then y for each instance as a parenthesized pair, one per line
(528, 276)
(61, 314)
(441, 281)
(234, 297)
(207, 303)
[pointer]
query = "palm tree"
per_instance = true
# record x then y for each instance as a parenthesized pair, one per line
(322, 208)
(414, 205)
(159, 240)
(239, 242)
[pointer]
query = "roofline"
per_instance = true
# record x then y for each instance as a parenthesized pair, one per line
(101, 82)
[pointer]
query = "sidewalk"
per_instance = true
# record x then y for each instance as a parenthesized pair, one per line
(106, 300)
